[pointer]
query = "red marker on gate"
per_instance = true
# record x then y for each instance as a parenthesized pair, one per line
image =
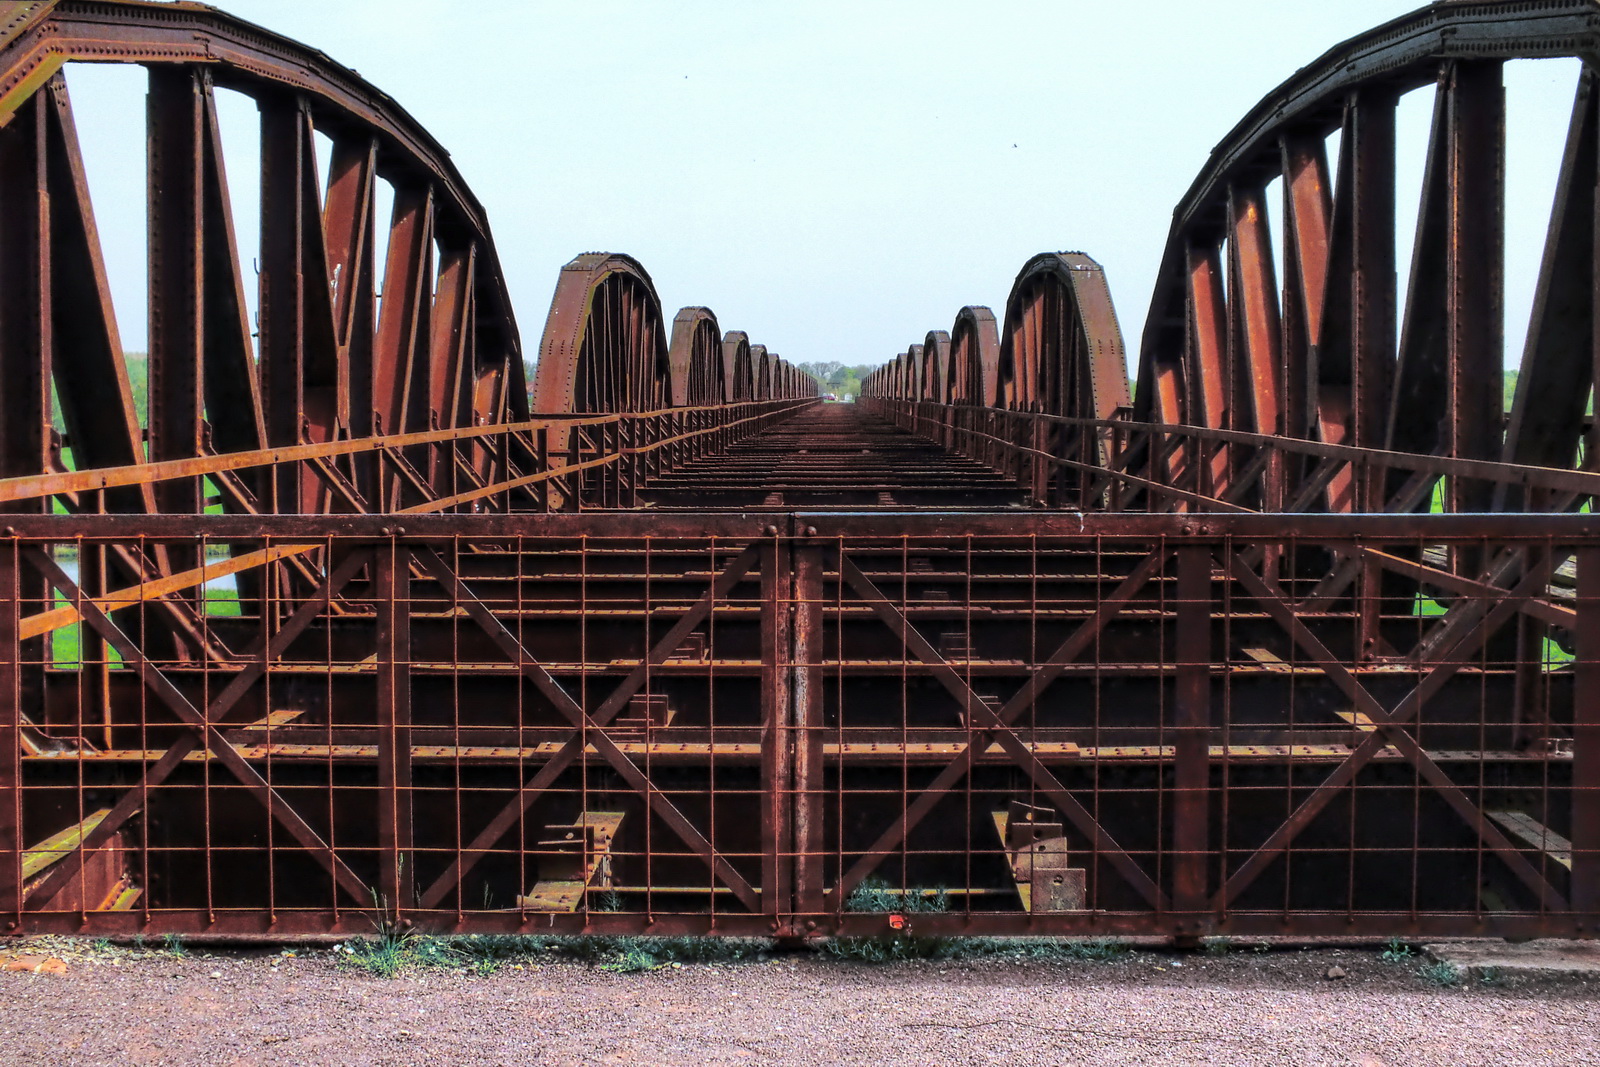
(897, 922)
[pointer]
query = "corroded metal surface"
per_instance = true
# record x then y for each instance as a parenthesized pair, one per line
(353, 633)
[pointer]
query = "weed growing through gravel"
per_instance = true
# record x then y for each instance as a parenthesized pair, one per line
(384, 956)
(632, 961)
(1441, 973)
(392, 953)
(174, 946)
(910, 947)
(1396, 951)
(1096, 949)
(1219, 946)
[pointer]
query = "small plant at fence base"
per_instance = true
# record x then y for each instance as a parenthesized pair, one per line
(911, 947)
(875, 895)
(1396, 951)
(1441, 973)
(391, 953)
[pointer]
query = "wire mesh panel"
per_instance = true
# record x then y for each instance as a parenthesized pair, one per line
(552, 733)
(802, 724)
(1189, 732)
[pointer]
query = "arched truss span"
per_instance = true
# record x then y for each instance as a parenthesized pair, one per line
(1342, 358)
(974, 358)
(1061, 351)
(775, 369)
(760, 372)
(443, 351)
(935, 367)
(915, 378)
(737, 374)
(696, 358)
(604, 348)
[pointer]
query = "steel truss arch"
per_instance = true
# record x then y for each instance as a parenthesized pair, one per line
(442, 353)
(1332, 353)
(914, 376)
(738, 375)
(1061, 350)
(760, 372)
(696, 357)
(974, 357)
(936, 367)
(604, 348)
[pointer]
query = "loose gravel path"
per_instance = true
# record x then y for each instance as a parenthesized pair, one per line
(122, 1006)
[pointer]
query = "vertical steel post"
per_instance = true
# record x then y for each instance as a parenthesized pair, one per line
(1191, 730)
(397, 874)
(809, 800)
(776, 753)
(1476, 268)
(11, 672)
(176, 284)
(1586, 746)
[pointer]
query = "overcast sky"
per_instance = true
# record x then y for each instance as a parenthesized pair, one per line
(835, 179)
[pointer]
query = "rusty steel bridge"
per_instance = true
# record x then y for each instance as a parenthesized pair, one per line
(1299, 635)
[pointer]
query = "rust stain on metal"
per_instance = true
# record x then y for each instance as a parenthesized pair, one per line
(676, 647)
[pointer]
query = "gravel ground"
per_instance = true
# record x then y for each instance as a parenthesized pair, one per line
(120, 1006)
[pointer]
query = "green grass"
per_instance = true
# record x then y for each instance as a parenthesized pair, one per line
(391, 953)
(1441, 973)
(877, 895)
(1396, 951)
(1040, 950)
(66, 644)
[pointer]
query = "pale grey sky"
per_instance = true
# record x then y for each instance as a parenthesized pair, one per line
(834, 178)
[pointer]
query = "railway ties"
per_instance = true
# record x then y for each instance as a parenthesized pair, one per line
(835, 455)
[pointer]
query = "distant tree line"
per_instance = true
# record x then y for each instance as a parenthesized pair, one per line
(839, 379)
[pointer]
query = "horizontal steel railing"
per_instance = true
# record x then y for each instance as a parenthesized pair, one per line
(615, 441)
(1212, 469)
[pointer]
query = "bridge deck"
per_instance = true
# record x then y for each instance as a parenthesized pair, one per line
(834, 455)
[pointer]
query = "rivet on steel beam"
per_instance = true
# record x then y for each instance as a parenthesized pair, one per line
(771, 531)
(811, 531)
(11, 531)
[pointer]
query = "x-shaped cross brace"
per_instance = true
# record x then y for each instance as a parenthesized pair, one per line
(206, 727)
(1390, 730)
(588, 730)
(997, 726)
